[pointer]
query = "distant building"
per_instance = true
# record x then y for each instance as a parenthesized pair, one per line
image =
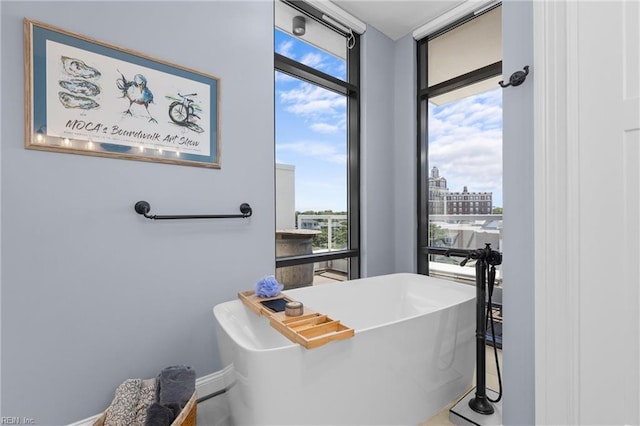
(466, 202)
(442, 201)
(312, 224)
(437, 192)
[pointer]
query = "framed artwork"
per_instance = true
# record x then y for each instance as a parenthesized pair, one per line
(84, 96)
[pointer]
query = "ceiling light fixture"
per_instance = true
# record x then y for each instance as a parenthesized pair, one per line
(299, 25)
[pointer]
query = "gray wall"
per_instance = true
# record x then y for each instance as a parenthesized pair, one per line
(92, 293)
(518, 177)
(388, 161)
(405, 145)
(377, 153)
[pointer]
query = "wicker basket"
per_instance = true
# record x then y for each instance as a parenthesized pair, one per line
(187, 416)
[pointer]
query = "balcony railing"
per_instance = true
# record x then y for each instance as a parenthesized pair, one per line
(333, 230)
(332, 237)
(454, 231)
(464, 232)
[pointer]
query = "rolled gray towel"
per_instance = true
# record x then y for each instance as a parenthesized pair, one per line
(176, 384)
(159, 415)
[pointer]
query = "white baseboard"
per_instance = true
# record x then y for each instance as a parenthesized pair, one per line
(205, 386)
(214, 382)
(89, 421)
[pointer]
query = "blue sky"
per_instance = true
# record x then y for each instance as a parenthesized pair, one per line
(465, 137)
(311, 128)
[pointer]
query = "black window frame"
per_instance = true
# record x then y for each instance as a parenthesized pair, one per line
(425, 92)
(350, 89)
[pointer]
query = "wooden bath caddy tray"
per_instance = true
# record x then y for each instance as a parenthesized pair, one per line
(311, 329)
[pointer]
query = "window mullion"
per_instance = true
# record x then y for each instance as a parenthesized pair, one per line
(304, 72)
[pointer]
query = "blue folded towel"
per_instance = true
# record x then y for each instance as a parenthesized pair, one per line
(176, 384)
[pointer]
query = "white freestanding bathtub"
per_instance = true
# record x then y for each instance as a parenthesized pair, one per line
(412, 354)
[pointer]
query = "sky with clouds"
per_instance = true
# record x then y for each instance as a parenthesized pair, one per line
(311, 131)
(465, 143)
(465, 137)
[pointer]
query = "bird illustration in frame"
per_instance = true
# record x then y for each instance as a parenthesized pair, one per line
(137, 92)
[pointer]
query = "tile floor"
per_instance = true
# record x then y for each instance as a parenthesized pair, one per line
(215, 411)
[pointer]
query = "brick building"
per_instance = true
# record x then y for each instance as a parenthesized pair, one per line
(466, 202)
(442, 201)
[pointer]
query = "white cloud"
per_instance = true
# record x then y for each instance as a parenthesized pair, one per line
(313, 60)
(317, 150)
(310, 100)
(341, 69)
(325, 128)
(285, 49)
(285, 78)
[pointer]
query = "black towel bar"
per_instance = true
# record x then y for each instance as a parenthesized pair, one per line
(143, 208)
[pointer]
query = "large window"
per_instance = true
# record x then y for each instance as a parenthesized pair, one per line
(316, 122)
(460, 137)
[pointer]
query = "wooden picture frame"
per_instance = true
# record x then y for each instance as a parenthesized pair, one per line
(84, 96)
